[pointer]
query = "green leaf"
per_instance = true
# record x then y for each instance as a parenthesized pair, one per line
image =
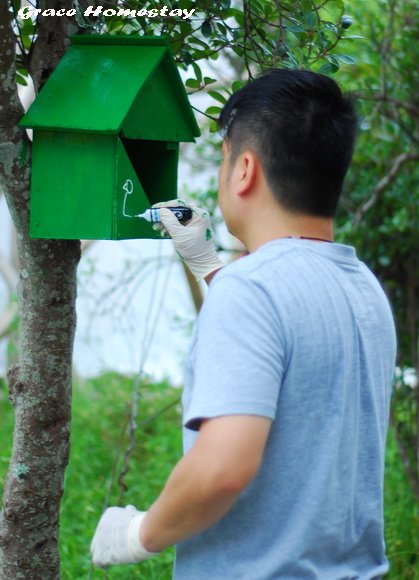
(209, 81)
(238, 15)
(217, 96)
(236, 34)
(185, 28)
(222, 29)
(238, 50)
(270, 11)
(328, 68)
(225, 4)
(213, 111)
(345, 58)
(237, 85)
(310, 20)
(206, 28)
(193, 84)
(213, 126)
(332, 27)
(282, 50)
(175, 45)
(197, 71)
(339, 3)
(257, 6)
(21, 79)
(186, 56)
(197, 41)
(27, 27)
(297, 28)
(291, 61)
(353, 37)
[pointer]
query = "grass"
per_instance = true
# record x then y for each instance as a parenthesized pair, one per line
(99, 441)
(100, 410)
(401, 513)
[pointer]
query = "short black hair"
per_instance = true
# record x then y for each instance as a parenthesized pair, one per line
(303, 130)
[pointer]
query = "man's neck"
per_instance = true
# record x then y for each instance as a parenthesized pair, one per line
(285, 225)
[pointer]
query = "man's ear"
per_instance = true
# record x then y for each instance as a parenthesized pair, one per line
(245, 172)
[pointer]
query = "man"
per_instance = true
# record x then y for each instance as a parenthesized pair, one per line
(287, 390)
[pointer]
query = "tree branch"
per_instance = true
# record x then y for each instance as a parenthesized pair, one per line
(50, 44)
(411, 108)
(384, 183)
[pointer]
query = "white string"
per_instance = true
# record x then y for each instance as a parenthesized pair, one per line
(146, 347)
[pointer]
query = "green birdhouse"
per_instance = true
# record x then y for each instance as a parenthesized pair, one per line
(107, 126)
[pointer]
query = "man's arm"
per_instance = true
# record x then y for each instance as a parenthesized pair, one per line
(207, 480)
(200, 490)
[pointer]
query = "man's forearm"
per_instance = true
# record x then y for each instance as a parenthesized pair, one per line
(202, 487)
(207, 480)
(191, 501)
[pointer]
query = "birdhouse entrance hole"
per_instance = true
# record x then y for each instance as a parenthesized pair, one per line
(155, 164)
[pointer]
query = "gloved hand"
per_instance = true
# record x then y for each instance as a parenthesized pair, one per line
(193, 241)
(116, 539)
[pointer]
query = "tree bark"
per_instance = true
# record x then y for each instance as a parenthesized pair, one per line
(40, 382)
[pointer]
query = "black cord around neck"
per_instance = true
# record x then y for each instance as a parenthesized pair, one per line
(309, 238)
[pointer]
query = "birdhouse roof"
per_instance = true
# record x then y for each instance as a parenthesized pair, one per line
(112, 84)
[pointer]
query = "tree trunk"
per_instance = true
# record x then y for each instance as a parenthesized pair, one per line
(40, 382)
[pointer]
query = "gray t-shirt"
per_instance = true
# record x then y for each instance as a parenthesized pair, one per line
(302, 333)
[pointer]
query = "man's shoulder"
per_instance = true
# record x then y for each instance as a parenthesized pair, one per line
(248, 267)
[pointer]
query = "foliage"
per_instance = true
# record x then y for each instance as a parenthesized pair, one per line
(99, 441)
(380, 206)
(297, 33)
(260, 33)
(401, 514)
(92, 484)
(99, 415)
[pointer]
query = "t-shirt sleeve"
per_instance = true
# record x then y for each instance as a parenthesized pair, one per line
(237, 355)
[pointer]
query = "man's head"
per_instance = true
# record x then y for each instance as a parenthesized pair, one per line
(302, 130)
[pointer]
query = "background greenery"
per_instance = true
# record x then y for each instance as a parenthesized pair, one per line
(101, 408)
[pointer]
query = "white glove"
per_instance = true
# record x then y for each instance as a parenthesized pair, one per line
(193, 241)
(116, 539)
